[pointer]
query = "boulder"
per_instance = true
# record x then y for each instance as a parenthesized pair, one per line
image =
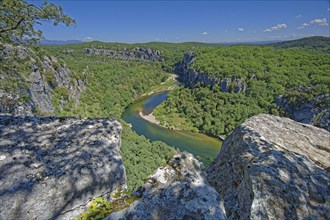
(50, 168)
(176, 191)
(274, 168)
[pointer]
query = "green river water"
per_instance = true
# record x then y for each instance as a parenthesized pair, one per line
(201, 145)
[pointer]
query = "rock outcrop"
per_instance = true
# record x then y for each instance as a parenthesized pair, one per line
(32, 83)
(315, 111)
(137, 53)
(274, 168)
(176, 191)
(50, 168)
(191, 77)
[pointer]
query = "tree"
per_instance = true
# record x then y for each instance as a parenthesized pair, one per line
(18, 19)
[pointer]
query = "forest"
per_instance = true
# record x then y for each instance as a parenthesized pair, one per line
(267, 72)
(114, 83)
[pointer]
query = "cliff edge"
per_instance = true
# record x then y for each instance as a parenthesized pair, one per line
(50, 168)
(274, 168)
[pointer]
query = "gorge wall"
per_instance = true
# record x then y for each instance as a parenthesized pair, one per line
(315, 111)
(50, 168)
(35, 84)
(136, 53)
(191, 77)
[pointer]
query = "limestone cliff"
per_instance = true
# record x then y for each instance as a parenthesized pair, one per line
(32, 83)
(190, 77)
(136, 53)
(274, 168)
(50, 168)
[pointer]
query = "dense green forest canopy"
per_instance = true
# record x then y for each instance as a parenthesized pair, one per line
(317, 43)
(267, 72)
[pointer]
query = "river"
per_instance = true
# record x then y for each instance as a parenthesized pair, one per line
(202, 146)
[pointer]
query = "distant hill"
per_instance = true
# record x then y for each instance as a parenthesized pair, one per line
(317, 43)
(59, 42)
(248, 42)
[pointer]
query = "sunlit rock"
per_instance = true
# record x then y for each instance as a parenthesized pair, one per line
(274, 168)
(176, 191)
(50, 168)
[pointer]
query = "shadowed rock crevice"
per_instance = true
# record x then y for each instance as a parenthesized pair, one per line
(50, 168)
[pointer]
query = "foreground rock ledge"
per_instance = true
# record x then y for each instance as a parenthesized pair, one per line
(176, 191)
(274, 168)
(50, 168)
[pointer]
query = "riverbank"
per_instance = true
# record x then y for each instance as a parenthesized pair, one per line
(150, 117)
(167, 85)
(142, 118)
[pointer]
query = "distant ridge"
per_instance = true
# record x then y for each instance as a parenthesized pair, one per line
(316, 43)
(250, 42)
(59, 42)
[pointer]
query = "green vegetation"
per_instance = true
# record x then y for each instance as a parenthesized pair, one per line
(19, 17)
(317, 43)
(100, 208)
(50, 77)
(209, 110)
(112, 85)
(141, 157)
(267, 72)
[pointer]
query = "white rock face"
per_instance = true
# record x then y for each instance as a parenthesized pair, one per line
(51, 167)
(274, 168)
(176, 191)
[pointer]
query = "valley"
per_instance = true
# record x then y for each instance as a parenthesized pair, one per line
(182, 129)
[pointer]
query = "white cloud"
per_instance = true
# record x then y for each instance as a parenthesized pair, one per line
(88, 39)
(303, 26)
(205, 33)
(276, 28)
(328, 9)
(240, 29)
(298, 16)
(226, 31)
(320, 21)
(317, 21)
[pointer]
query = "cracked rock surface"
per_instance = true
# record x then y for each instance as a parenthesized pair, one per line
(274, 168)
(50, 168)
(176, 191)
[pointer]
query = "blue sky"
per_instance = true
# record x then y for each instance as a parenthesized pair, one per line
(181, 21)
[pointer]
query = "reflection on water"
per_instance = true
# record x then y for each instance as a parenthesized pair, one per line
(195, 143)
